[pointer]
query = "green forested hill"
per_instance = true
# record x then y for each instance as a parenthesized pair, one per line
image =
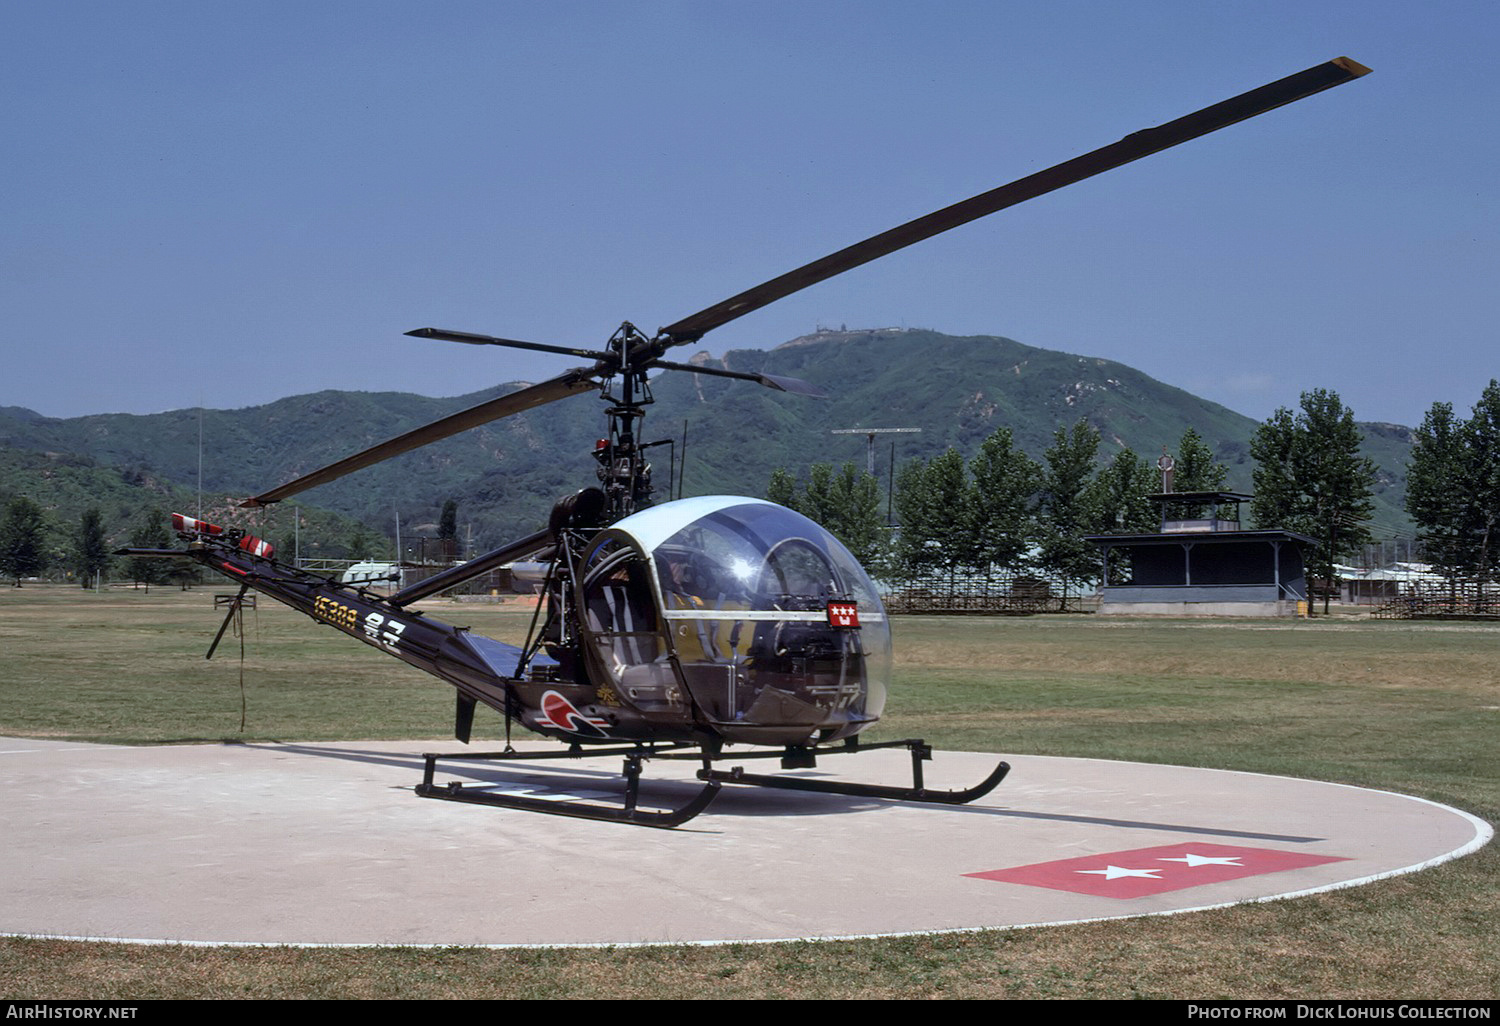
(505, 475)
(959, 390)
(66, 484)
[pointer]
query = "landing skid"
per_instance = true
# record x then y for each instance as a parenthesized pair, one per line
(792, 757)
(797, 758)
(629, 813)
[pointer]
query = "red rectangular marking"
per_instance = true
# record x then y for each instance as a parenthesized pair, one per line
(843, 614)
(1145, 871)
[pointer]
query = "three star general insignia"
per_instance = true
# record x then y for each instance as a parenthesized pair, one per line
(843, 614)
(1145, 871)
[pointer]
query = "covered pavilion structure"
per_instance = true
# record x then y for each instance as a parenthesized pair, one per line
(1201, 563)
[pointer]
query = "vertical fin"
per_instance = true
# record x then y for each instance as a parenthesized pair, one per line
(463, 718)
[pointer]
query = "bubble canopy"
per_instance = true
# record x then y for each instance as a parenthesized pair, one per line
(773, 628)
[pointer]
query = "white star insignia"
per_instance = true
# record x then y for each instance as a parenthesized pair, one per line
(1115, 872)
(1206, 860)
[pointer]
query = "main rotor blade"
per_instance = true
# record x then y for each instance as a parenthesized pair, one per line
(560, 387)
(454, 576)
(1132, 147)
(489, 340)
(777, 381)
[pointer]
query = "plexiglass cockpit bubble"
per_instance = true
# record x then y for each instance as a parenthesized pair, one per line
(762, 616)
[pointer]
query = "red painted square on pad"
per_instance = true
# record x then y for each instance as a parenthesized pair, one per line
(1145, 871)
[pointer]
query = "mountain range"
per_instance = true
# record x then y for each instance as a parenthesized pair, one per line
(729, 436)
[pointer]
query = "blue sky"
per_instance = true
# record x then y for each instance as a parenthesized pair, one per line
(225, 203)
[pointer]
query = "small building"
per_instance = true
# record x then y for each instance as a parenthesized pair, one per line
(1200, 563)
(371, 572)
(1374, 586)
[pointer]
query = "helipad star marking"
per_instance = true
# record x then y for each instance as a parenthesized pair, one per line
(1205, 860)
(1115, 872)
(1194, 864)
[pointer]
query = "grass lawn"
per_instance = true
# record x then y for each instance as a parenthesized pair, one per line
(1406, 707)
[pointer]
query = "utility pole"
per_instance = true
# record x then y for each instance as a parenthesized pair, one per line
(870, 434)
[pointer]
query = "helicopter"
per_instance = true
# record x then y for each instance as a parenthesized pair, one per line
(669, 630)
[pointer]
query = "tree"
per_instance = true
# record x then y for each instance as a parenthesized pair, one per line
(1276, 502)
(1000, 504)
(23, 539)
(1310, 478)
(930, 499)
(1068, 510)
(183, 572)
(91, 555)
(1196, 470)
(1436, 498)
(1118, 504)
(1453, 487)
(782, 489)
(909, 556)
(816, 500)
(361, 542)
(855, 498)
(847, 504)
(1482, 437)
(150, 532)
(1117, 496)
(448, 529)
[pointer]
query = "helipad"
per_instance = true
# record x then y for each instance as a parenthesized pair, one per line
(326, 844)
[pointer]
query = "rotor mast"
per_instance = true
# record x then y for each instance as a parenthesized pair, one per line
(623, 471)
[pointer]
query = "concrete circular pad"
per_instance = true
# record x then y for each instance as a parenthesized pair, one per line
(326, 844)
